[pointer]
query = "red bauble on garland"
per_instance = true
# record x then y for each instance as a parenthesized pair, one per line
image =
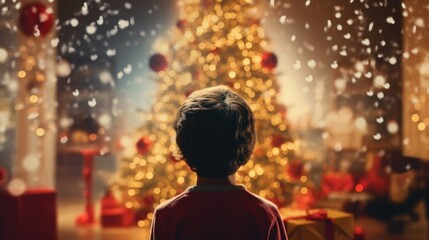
(181, 24)
(269, 60)
(158, 62)
(143, 145)
(36, 19)
(277, 140)
(295, 169)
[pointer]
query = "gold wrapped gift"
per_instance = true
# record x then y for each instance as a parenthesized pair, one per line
(319, 224)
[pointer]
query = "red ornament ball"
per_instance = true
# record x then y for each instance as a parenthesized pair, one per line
(269, 60)
(295, 169)
(36, 19)
(158, 62)
(181, 24)
(143, 145)
(277, 140)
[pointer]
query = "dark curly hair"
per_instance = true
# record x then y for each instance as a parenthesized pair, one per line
(215, 132)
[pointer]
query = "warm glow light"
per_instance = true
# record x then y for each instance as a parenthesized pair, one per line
(92, 137)
(359, 188)
(40, 132)
(22, 74)
(421, 126)
(33, 99)
(415, 117)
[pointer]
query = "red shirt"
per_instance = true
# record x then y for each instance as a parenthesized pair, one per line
(217, 212)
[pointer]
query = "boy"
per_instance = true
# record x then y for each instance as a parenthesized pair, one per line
(216, 134)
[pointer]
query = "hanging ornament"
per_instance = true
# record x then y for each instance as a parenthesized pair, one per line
(158, 62)
(277, 140)
(143, 145)
(295, 169)
(269, 60)
(36, 19)
(181, 24)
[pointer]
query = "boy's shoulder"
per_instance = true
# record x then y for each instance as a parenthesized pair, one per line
(245, 195)
(170, 202)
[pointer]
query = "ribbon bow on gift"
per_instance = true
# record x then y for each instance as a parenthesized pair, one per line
(319, 215)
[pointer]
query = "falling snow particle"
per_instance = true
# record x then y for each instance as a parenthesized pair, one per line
(123, 23)
(390, 20)
(92, 102)
(311, 63)
(3, 55)
(84, 9)
(111, 52)
(377, 136)
(370, 26)
(127, 5)
(75, 92)
(392, 60)
(74, 22)
(91, 29)
(282, 19)
(420, 22)
(120, 75)
(128, 69)
(100, 20)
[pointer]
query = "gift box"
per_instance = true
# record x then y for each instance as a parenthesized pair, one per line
(337, 182)
(113, 214)
(30, 216)
(319, 224)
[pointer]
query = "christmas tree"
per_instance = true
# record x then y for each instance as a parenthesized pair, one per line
(214, 43)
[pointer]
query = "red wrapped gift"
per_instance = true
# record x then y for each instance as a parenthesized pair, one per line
(337, 182)
(117, 217)
(113, 214)
(30, 216)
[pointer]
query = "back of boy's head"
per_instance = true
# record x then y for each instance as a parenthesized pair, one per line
(215, 130)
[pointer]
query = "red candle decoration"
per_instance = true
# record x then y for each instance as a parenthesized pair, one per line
(158, 62)
(36, 19)
(269, 60)
(143, 145)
